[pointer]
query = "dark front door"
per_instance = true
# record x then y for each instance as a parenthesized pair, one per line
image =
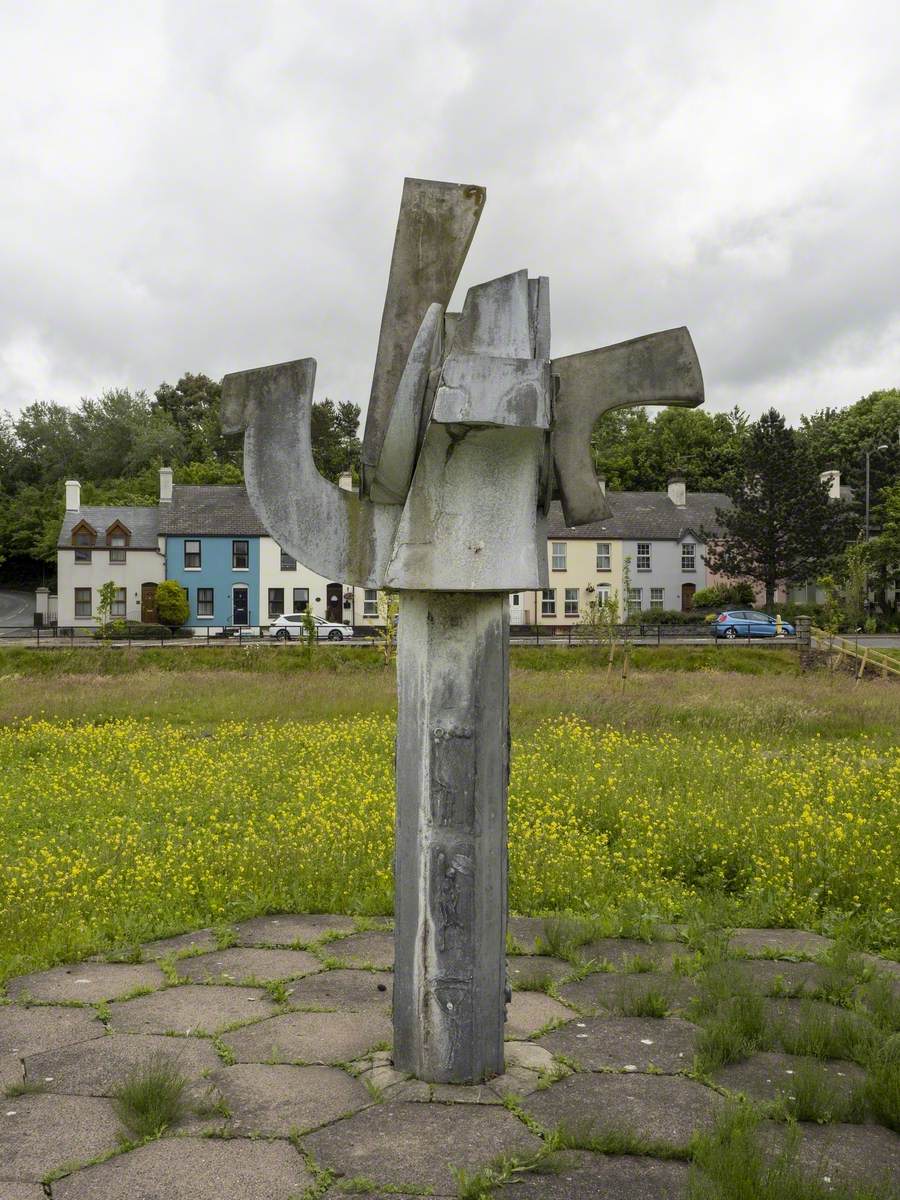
(148, 604)
(335, 596)
(240, 608)
(687, 596)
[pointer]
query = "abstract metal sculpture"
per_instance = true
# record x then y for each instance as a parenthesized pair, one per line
(471, 430)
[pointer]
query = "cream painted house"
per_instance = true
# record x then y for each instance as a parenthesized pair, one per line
(97, 544)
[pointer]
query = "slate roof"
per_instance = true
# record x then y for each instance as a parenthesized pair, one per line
(142, 523)
(647, 516)
(210, 511)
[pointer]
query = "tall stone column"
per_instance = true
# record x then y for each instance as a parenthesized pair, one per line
(451, 858)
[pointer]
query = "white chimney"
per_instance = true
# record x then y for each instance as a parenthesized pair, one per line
(346, 481)
(73, 495)
(601, 483)
(678, 491)
(165, 485)
(832, 477)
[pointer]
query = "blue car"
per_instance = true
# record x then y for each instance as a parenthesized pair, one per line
(742, 622)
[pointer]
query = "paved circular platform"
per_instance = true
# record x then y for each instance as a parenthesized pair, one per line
(283, 1039)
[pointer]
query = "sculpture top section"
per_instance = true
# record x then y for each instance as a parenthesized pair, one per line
(471, 428)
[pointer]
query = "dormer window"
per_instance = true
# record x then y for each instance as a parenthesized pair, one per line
(84, 538)
(117, 538)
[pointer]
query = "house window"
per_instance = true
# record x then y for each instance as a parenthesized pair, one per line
(657, 597)
(571, 602)
(288, 563)
(82, 602)
(559, 556)
(548, 602)
(370, 603)
(191, 556)
(603, 590)
(643, 556)
(117, 543)
(119, 606)
(688, 561)
(603, 557)
(83, 543)
(240, 556)
(635, 599)
(205, 602)
(276, 602)
(301, 599)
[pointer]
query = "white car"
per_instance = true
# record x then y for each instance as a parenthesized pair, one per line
(290, 625)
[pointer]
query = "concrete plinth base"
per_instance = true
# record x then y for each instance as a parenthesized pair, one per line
(451, 864)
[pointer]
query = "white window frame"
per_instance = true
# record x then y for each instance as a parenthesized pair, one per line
(570, 602)
(370, 602)
(548, 602)
(119, 606)
(689, 561)
(604, 557)
(206, 616)
(657, 597)
(644, 557)
(89, 602)
(240, 542)
(117, 547)
(635, 600)
(198, 553)
(559, 556)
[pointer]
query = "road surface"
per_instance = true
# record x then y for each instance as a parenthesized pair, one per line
(16, 608)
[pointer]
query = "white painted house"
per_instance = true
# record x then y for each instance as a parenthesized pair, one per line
(99, 544)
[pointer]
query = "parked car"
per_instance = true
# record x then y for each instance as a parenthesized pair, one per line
(290, 625)
(743, 622)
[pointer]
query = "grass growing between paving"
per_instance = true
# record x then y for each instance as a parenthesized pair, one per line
(152, 809)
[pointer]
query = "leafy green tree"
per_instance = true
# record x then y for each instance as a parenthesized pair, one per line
(106, 600)
(194, 405)
(333, 429)
(782, 526)
(172, 604)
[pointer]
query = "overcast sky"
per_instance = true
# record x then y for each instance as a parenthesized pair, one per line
(197, 186)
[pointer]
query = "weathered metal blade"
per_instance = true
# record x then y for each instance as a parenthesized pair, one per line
(660, 368)
(328, 529)
(435, 228)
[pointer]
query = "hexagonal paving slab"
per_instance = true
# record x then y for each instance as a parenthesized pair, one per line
(243, 965)
(288, 929)
(186, 1168)
(656, 1107)
(39, 1133)
(603, 1177)
(31, 1030)
(310, 1037)
(88, 982)
(851, 1154)
(194, 1008)
(418, 1144)
(763, 942)
(345, 990)
(200, 939)
(526, 969)
(530, 1011)
(525, 931)
(608, 991)
(768, 1076)
(623, 952)
(96, 1068)
(274, 1099)
(626, 1043)
(363, 950)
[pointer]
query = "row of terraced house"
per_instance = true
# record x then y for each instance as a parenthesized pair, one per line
(236, 575)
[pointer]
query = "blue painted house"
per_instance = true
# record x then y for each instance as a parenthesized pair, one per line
(212, 538)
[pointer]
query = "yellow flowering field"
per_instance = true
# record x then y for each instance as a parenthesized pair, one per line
(117, 832)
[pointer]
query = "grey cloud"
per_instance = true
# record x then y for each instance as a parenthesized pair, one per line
(214, 186)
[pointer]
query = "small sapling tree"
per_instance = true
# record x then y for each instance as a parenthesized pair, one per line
(107, 598)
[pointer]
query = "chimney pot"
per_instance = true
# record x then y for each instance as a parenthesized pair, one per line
(345, 481)
(73, 495)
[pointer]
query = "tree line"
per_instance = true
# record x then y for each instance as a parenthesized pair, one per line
(781, 525)
(114, 445)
